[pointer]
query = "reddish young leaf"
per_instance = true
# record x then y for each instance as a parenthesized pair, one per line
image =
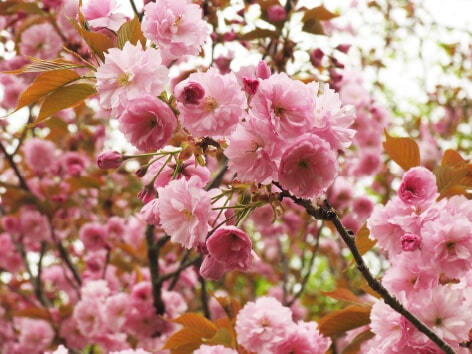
(404, 151)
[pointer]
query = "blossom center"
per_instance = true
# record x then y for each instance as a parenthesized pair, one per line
(210, 103)
(303, 164)
(124, 79)
(279, 111)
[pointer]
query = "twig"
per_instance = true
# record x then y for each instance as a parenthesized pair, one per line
(309, 269)
(13, 165)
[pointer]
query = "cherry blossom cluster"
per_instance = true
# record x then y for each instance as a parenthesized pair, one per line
(429, 245)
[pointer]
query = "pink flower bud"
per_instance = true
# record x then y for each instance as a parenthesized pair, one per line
(276, 13)
(192, 94)
(250, 85)
(410, 242)
(109, 159)
(316, 56)
(263, 71)
(344, 48)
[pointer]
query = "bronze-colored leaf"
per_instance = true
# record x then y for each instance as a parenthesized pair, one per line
(363, 242)
(345, 294)
(339, 322)
(404, 151)
(354, 345)
(186, 337)
(130, 31)
(40, 65)
(447, 177)
(44, 84)
(258, 33)
(33, 312)
(199, 323)
(452, 158)
(97, 42)
(319, 13)
(62, 98)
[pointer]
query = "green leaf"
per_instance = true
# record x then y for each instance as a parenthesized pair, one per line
(130, 31)
(339, 322)
(44, 84)
(404, 151)
(62, 98)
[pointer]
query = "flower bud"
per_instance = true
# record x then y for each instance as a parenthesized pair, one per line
(109, 159)
(263, 71)
(276, 13)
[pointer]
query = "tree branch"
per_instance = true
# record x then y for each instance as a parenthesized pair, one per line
(329, 214)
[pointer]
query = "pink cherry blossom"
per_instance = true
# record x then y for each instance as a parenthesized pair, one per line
(212, 269)
(444, 310)
(129, 73)
(447, 244)
(389, 223)
(230, 246)
(40, 41)
(103, 14)
(184, 209)
(40, 155)
(35, 335)
(390, 328)
(176, 26)
(332, 120)
(263, 324)
(285, 103)
(93, 236)
(306, 338)
(418, 187)
(150, 213)
(254, 151)
(308, 167)
(147, 123)
(218, 111)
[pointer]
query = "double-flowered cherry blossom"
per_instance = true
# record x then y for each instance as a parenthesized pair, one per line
(129, 73)
(176, 26)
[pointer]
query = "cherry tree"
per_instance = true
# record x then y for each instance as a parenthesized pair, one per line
(227, 177)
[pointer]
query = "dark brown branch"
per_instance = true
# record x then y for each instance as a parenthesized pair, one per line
(329, 214)
(153, 250)
(13, 165)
